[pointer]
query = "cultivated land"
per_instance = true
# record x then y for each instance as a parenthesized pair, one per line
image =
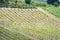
(34, 24)
(6, 34)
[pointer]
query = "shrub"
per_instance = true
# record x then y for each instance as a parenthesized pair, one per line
(38, 4)
(27, 1)
(55, 4)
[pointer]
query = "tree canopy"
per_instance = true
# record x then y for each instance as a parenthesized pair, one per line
(27, 1)
(1, 1)
(52, 1)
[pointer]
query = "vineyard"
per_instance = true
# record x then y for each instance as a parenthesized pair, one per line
(28, 24)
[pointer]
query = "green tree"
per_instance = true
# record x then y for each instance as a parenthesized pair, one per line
(27, 1)
(1, 1)
(16, 2)
(52, 1)
(56, 4)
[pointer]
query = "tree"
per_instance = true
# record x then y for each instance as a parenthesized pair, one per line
(55, 4)
(52, 1)
(1, 1)
(27, 1)
(16, 2)
(4, 1)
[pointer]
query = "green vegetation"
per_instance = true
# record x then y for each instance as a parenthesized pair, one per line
(28, 1)
(53, 10)
(56, 4)
(52, 1)
(23, 3)
(6, 34)
(1, 1)
(38, 4)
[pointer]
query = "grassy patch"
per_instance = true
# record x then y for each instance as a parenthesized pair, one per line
(53, 10)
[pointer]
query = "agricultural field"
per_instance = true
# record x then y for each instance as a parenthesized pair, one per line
(53, 10)
(6, 34)
(33, 24)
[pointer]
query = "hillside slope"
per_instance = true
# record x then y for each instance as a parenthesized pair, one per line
(6, 34)
(33, 23)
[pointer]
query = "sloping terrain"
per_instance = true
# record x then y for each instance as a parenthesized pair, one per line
(6, 34)
(53, 10)
(33, 23)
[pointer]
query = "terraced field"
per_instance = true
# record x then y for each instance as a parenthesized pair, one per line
(32, 23)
